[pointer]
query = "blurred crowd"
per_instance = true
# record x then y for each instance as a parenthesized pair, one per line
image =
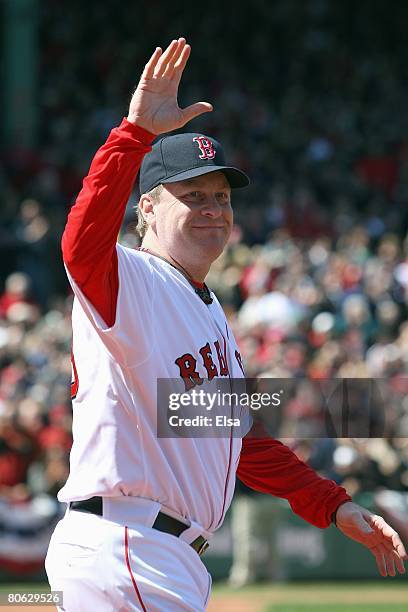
(35, 375)
(309, 99)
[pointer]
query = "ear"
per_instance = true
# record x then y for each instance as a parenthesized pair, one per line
(146, 206)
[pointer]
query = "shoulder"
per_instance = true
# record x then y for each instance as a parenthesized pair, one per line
(130, 254)
(133, 258)
(140, 263)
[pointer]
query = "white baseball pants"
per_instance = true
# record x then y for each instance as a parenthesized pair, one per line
(105, 566)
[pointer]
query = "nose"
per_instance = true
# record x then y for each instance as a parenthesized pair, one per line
(211, 208)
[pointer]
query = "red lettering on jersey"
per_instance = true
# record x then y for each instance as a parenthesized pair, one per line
(187, 365)
(75, 381)
(206, 147)
(209, 365)
(239, 359)
(222, 358)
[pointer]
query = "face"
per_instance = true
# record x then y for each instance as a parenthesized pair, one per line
(193, 219)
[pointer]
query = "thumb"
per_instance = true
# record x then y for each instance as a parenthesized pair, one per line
(194, 110)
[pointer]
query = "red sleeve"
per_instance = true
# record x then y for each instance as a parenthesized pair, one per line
(269, 466)
(89, 239)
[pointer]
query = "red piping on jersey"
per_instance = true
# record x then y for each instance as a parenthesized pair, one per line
(230, 443)
(130, 570)
(75, 382)
(228, 470)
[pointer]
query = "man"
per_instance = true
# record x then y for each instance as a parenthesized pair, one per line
(141, 508)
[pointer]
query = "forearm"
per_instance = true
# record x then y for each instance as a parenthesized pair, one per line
(269, 466)
(89, 239)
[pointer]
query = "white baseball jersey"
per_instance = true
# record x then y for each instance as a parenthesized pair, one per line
(161, 327)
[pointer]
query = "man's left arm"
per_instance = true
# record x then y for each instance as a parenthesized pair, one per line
(268, 466)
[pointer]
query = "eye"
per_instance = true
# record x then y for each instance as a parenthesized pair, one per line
(222, 196)
(193, 195)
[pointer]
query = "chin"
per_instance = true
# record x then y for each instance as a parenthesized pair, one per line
(212, 249)
(207, 247)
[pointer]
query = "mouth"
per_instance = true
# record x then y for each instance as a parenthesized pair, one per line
(208, 226)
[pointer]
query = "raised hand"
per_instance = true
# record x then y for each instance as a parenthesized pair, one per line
(373, 532)
(154, 105)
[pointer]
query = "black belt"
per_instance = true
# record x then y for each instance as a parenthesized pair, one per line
(163, 522)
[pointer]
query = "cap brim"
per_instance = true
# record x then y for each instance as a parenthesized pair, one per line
(235, 177)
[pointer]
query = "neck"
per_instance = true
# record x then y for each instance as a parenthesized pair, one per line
(197, 273)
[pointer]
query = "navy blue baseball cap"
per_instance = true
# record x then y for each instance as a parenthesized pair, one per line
(183, 156)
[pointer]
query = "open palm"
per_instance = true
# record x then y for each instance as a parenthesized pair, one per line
(154, 104)
(374, 533)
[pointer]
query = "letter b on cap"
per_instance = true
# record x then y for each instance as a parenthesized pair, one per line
(205, 146)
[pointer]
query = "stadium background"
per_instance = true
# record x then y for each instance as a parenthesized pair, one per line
(310, 99)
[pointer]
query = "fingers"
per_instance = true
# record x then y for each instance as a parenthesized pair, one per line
(388, 560)
(170, 56)
(385, 562)
(182, 60)
(390, 536)
(148, 71)
(394, 550)
(379, 559)
(393, 561)
(399, 563)
(181, 63)
(174, 59)
(378, 536)
(171, 62)
(399, 547)
(160, 62)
